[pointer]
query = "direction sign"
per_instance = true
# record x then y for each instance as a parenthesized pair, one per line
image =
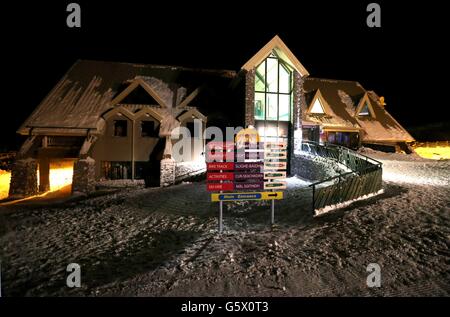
(274, 175)
(217, 187)
(247, 196)
(269, 166)
(276, 155)
(275, 185)
(217, 145)
(275, 145)
(228, 176)
(247, 176)
(220, 166)
(245, 166)
(247, 186)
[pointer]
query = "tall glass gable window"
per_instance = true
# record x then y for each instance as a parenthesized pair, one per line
(273, 90)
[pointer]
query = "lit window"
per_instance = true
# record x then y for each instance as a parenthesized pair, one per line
(260, 105)
(365, 110)
(120, 128)
(317, 107)
(273, 89)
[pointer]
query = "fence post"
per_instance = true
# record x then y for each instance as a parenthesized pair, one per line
(313, 198)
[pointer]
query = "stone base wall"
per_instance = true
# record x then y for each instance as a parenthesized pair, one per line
(186, 170)
(167, 176)
(83, 176)
(314, 168)
(24, 180)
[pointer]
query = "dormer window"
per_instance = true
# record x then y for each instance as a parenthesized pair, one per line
(365, 110)
(317, 107)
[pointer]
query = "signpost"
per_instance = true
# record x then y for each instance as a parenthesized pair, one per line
(247, 196)
(246, 171)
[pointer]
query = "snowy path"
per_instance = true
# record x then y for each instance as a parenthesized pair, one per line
(156, 242)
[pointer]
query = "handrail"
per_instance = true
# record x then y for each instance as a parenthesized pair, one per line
(358, 167)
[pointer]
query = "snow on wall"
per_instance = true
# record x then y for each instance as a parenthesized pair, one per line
(185, 170)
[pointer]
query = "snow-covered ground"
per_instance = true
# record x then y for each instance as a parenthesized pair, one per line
(163, 241)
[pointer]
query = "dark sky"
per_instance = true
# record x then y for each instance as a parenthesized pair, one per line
(402, 60)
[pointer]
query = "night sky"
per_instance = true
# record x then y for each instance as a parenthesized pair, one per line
(404, 60)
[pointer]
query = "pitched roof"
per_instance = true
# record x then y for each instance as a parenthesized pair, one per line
(282, 51)
(343, 97)
(87, 89)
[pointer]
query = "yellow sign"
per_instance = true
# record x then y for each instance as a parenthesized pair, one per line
(247, 196)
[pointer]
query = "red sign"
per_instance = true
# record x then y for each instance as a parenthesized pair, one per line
(216, 145)
(220, 166)
(242, 156)
(219, 156)
(229, 176)
(216, 187)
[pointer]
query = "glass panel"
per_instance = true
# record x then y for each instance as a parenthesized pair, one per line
(272, 107)
(260, 106)
(272, 75)
(285, 80)
(317, 107)
(259, 78)
(284, 106)
(365, 110)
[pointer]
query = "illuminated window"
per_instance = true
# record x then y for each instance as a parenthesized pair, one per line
(365, 110)
(317, 107)
(273, 90)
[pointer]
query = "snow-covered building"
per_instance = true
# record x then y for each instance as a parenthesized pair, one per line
(112, 120)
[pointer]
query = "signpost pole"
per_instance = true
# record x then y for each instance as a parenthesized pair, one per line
(272, 218)
(220, 216)
(220, 212)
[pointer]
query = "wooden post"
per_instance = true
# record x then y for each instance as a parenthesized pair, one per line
(44, 175)
(313, 197)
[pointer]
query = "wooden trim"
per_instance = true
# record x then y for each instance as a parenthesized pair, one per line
(338, 129)
(129, 115)
(282, 51)
(138, 82)
(364, 99)
(191, 112)
(189, 98)
(149, 111)
(326, 107)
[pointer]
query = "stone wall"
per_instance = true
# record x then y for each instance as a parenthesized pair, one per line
(250, 98)
(167, 176)
(298, 113)
(314, 168)
(83, 176)
(186, 170)
(23, 178)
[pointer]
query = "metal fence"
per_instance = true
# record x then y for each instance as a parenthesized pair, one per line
(364, 177)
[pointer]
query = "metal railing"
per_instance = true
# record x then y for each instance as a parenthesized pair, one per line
(364, 177)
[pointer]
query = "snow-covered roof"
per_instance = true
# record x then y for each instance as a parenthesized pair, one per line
(87, 89)
(343, 98)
